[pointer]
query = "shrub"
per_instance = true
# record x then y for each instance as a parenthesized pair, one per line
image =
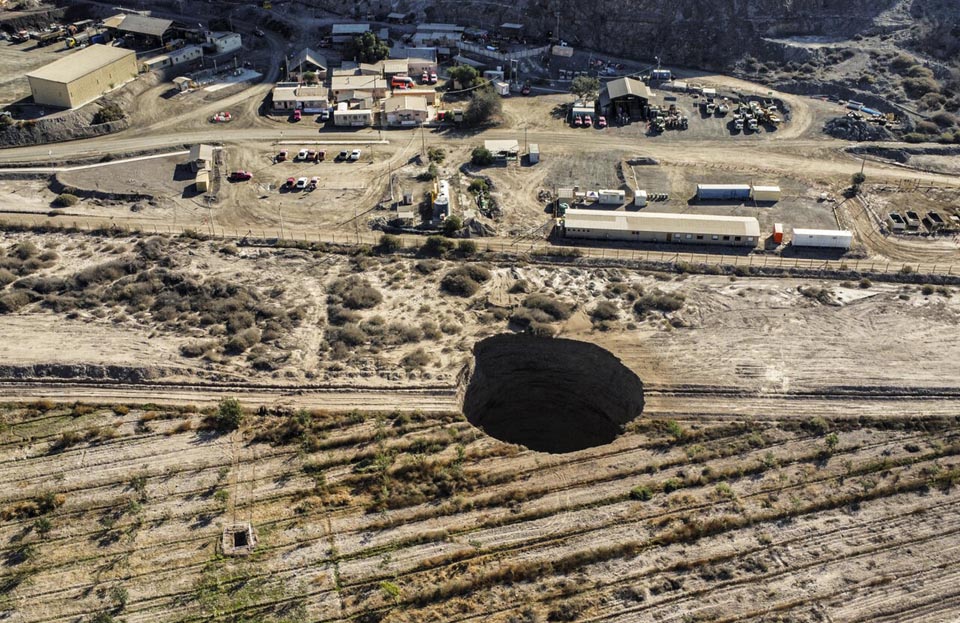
(416, 359)
(451, 225)
(481, 157)
(12, 301)
(605, 310)
(355, 292)
(557, 310)
(478, 186)
(467, 247)
(641, 493)
(927, 290)
(458, 282)
(109, 112)
(865, 283)
(339, 316)
(484, 105)
(229, 415)
(927, 127)
(242, 341)
(430, 174)
(436, 246)
(65, 200)
(427, 267)
(436, 154)
(350, 335)
(389, 244)
(659, 301)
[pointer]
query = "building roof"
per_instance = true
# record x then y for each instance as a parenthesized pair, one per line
(394, 65)
(511, 26)
(622, 87)
(405, 102)
(357, 83)
(140, 24)
(425, 53)
(396, 16)
(766, 189)
(286, 92)
(307, 55)
(80, 63)
(662, 222)
(502, 147)
(201, 151)
(350, 29)
(435, 27)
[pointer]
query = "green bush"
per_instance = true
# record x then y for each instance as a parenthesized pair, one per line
(451, 225)
(478, 186)
(436, 246)
(389, 244)
(107, 113)
(229, 415)
(354, 292)
(436, 154)
(65, 200)
(467, 247)
(481, 157)
(641, 493)
(484, 105)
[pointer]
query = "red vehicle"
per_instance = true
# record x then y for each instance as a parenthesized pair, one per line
(587, 121)
(320, 156)
(425, 78)
(297, 115)
(222, 117)
(577, 121)
(282, 156)
(601, 122)
(241, 176)
(290, 182)
(525, 90)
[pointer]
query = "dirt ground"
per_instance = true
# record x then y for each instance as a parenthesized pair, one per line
(17, 59)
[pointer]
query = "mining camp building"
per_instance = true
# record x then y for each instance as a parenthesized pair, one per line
(148, 30)
(740, 231)
(83, 76)
(625, 96)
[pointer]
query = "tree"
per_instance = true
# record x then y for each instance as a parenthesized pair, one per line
(451, 225)
(484, 104)
(858, 178)
(368, 48)
(465, 75)
(389, 244)
(309, 77)
(481, 156)
(229, 415)
(585, 87)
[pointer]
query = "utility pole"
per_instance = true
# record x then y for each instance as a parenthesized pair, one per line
(423, 142)
(280, 212)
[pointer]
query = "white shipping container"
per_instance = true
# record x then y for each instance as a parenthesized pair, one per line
(640, 198)
(611, 196)
(827, 238)
(534, 156)
(766, 193)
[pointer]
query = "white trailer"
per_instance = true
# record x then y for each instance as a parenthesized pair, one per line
(765, 194)
(825, 238)
(534, 155)
(640, 198)
(611, 197)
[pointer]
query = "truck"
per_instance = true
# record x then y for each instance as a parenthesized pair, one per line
(49, 36)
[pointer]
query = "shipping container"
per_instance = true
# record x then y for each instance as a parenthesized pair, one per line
(769, 194)
(640, 198)
(896, 221)
(827, 238)
(723, 191)
(610, 197)
(534, 156)
(778, 233)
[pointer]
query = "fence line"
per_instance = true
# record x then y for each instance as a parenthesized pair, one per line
(546, 249)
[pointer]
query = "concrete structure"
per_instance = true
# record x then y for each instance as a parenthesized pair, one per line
(201, 157)
(428, 94)
(429, 34)
(503, 150)
(723, 192)
(142, 27)
(344, 33)
(82, 76)
(534, 156)
(640, 198)
(176, 57)
(183, 83)
(352, 117)
(290, 96)
(765, 194)
(224, 42)
(406, 110)
(202, 181)
(416, 65)
(823, 238)
(625, 97)
(738, 231)
(372, 86)
(306, 60)
(611, 197)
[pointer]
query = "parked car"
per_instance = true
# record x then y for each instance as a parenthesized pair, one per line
(258, 32)
(577, 121)
(601, 122)
(525, 90)
(297, 115)
(433, 77)
(587, 121)
(282, 156)
(425, 78)
(354, 155)
(222, 117)
(291, 182)
(324, 116)
(241, 176)
(302, 155)
(342, 156)
(312, 155)
(320, 156)
(301, 183)
(313, 183)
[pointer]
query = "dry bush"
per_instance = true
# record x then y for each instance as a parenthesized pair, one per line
(464, 280)
(354, 292)
(554, 308)
(658, 301)
(605, 310)
(416, 359)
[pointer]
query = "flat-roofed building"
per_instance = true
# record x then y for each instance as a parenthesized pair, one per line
(344, 116)
(142, 27)
(289, 96)
(406, 110)
(373, 86)
(740, 231)
(82, 76)
(344, 33)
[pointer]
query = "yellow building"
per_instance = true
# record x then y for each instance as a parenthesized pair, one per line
(82, 76)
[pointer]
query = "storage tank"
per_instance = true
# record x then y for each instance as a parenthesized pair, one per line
(442, 201)
(767, 194)
(723, 191)
(640, 198)
(611, 197)
(825, 238)
(778, 233)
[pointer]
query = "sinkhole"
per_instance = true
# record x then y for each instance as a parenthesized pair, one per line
(549, 395)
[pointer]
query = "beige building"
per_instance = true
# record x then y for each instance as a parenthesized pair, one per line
(739, 231)
(83, 76)
(370, 86)
(289, 96)
(344, 116)
(406, 110)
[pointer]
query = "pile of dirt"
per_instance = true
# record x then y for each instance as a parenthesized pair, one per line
(82, 371)
(855, 130)
(550, 395)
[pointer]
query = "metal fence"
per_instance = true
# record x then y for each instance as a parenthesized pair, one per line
(537, 248)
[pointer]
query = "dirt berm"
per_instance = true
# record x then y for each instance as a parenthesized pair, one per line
(550, 395)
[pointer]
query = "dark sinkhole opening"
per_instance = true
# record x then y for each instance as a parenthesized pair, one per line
(550, 395)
